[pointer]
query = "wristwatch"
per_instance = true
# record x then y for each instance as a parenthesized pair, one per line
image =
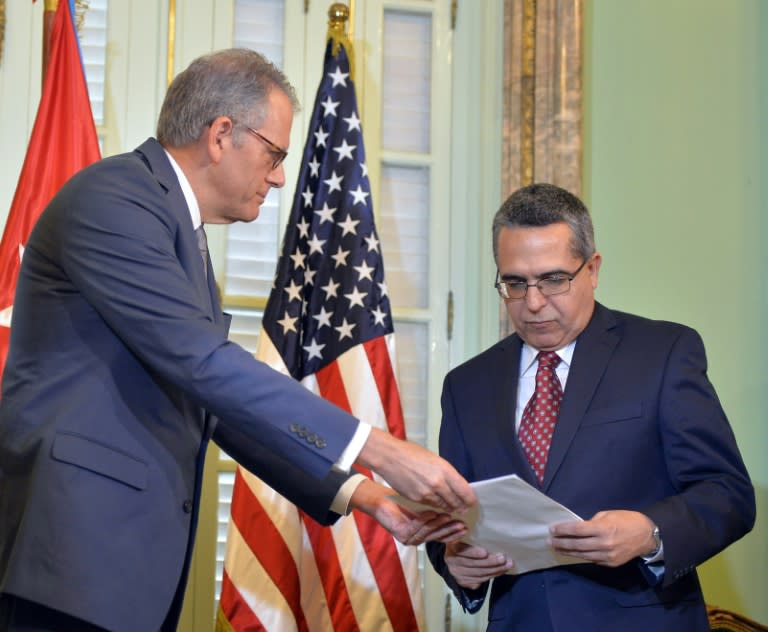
(656, 535)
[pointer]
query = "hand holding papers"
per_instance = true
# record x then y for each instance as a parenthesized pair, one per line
(513, 518)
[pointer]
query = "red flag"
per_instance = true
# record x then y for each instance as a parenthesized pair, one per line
(327, 323)
(63, 141)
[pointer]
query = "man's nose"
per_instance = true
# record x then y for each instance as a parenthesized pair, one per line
(276, 177)
(534, 299)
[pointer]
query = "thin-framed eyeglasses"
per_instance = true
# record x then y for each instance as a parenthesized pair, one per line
(549, 285)
(278, 153)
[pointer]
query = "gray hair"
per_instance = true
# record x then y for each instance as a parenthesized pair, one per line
(235, 82)
(544, 204)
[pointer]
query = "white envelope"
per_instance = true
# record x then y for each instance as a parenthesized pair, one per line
(513, 518)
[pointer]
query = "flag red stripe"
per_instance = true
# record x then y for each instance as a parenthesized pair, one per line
(237, 611)
(332, 388)
(379, 547)
(332, 576)
(385, 562)
(256, 527)
(384, 376)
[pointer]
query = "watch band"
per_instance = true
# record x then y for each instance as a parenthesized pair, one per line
(656, 535)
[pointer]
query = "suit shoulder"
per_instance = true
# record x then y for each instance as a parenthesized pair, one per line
(146, 162)
(109, 176)
(121, 194)
(651, 328)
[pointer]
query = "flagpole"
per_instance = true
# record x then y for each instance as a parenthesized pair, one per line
(48, 13)
(351, 28)
(171, 41)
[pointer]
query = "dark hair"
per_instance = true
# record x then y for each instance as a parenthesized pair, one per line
(235, 82)
(544, 204)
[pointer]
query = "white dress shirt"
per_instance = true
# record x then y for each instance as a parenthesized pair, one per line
(529, 363)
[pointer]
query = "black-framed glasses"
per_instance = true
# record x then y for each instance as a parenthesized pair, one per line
(278, 153)
(549, 285)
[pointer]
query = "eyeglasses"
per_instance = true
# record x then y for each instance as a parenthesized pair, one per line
(550, 285)
(278, 154)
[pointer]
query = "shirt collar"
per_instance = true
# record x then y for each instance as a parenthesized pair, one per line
(189, 194)
(528, 356)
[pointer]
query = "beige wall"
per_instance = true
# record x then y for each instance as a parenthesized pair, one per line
(676, 176)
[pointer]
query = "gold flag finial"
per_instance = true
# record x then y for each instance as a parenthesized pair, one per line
(338, 14)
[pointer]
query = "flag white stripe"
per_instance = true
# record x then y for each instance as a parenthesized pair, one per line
(365, 402)
(254, 582)
(313, 601)
(363, 397)
(281, 512)
(362, 391)
(255, 588)
(361, 584)
(409, 555)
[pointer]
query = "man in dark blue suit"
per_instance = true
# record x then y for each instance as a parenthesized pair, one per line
(120, 372)
(641, 448)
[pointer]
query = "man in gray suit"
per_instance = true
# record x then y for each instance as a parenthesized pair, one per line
(120, 372)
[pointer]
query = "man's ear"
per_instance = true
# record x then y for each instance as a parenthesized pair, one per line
(594, 268)
(218, 136)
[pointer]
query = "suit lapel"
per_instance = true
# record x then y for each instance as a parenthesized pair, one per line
(219, 317)
(593, 351)
(188, 251)
(507, 377)
(189, 254)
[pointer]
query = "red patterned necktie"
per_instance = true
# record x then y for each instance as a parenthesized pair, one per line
(540, 414)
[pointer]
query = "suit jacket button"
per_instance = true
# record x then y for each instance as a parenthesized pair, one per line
(294, 427)
(187, 506)
(321, 443)
(312, 437)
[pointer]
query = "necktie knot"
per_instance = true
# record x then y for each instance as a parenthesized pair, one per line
(548, 360)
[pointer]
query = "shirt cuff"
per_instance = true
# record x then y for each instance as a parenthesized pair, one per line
(353, 449)
(656, 557)
(340, 504)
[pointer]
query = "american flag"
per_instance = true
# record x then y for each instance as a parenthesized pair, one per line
(328, 324)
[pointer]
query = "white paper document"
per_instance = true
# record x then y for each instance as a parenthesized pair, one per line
(513, 518)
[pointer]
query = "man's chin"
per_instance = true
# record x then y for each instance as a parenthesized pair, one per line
(251, 215)
(541, 339)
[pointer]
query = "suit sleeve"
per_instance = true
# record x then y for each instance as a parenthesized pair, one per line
(715, 502)
(452, 449)
(314, 496)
